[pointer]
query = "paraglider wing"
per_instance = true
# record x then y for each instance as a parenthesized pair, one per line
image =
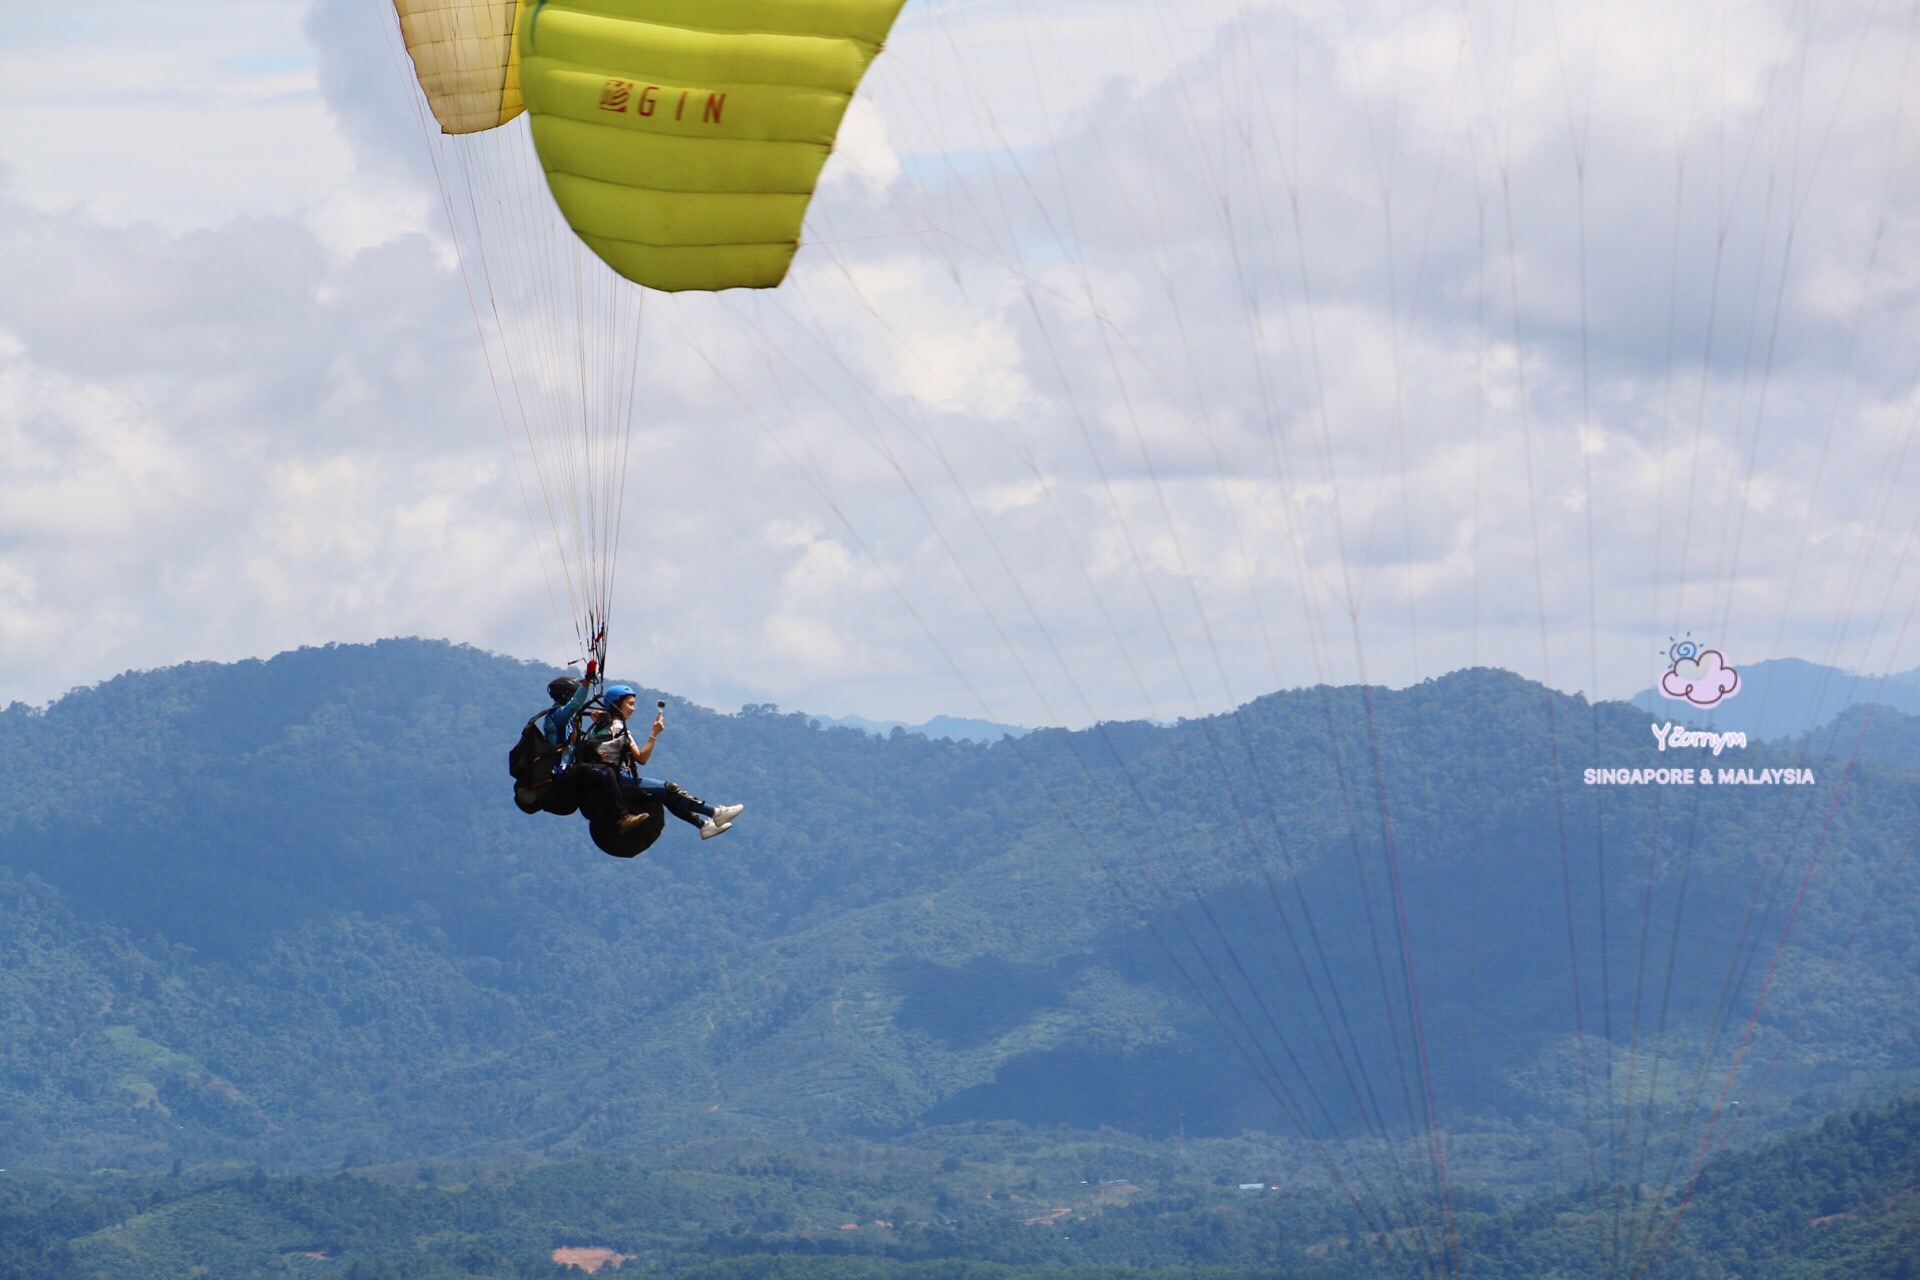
(682, 138)
(463, 53)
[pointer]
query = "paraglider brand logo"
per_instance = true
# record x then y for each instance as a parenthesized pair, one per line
(1698, 676)
(624, 96)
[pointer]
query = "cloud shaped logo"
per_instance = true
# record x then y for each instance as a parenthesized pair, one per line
(1704, 680)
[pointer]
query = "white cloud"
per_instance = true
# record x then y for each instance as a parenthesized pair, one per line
(1133, 347)
(862, 153)
(182, 119)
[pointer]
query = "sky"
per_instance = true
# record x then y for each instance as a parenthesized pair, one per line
(1139, 359)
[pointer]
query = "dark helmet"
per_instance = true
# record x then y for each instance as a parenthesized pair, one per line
(562, 688)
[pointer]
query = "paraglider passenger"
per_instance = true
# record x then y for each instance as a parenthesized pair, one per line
(610, 743)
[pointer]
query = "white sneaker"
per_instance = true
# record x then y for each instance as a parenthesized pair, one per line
(722, 819)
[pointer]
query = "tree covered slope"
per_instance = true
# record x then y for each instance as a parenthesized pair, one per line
(285, 912)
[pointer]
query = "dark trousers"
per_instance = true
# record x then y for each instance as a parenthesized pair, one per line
(596, 789)
(643, 793)
(604, 795)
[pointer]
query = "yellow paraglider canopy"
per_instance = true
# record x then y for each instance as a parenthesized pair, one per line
(462, 50)
(681, 138)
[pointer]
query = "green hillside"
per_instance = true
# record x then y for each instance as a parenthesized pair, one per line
(283, 913)
(1838, 1202)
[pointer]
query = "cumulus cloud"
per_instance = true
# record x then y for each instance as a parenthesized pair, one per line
(180, 123)
(1135, 362)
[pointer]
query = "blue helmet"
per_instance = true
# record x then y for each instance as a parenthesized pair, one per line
(615, 692)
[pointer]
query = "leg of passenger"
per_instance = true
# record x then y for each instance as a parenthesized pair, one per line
(685, 807)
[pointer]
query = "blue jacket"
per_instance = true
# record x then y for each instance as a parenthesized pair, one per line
(556, 722)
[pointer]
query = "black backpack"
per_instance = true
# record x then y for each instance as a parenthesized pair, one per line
(532, 762)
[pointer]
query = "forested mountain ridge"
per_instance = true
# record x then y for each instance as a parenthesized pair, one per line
(284, 911)
(1838, 1201)
(1881, 735)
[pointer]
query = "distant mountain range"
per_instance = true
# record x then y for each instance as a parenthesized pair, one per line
(1786, 697)
(958, 728)
(284, 912)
